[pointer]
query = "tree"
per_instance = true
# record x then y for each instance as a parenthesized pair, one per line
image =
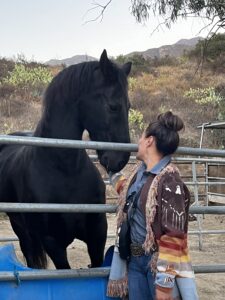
(171, 10)
(215, 48)
(212, 50)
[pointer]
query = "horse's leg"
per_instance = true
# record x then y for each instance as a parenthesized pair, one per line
(97, 234)
(56, 252)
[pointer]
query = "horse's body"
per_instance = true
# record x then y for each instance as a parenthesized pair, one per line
(90, 96)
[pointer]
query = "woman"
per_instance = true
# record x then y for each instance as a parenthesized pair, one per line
(159, 266)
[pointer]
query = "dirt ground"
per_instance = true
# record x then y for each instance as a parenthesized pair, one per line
(210, 286)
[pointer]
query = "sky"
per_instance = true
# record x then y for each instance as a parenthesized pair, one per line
(57, 29)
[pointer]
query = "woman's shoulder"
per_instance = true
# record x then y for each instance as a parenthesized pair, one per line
(172, 180)
(169, 173)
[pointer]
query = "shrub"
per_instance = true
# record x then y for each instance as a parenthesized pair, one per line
(132, 81)
(28, 82)
(204, 95)
(136, 122)
(23, 76)
(6, 66)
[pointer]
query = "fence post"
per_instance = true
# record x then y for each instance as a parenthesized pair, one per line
(196, 202)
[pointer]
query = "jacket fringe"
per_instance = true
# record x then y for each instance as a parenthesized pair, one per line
(117, 288)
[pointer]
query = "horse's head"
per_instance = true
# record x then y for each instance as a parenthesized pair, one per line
(104, 110)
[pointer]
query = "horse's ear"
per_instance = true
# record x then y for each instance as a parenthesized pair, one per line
(127, 68)
(105, 65)
(104, 57)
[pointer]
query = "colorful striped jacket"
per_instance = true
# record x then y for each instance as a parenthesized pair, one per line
(168, 224)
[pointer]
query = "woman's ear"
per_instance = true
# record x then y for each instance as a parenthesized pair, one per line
(149, 140)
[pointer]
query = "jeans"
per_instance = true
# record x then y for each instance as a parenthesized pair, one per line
(185, 289)
(141, 282)
(140, 278)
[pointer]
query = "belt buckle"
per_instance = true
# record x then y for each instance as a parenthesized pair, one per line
(137, 250)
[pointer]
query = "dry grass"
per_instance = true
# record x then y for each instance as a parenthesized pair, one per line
(164, 90)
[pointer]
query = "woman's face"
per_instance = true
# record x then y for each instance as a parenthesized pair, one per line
(143, 145)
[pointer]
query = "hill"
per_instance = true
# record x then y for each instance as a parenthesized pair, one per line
(76, 59)
(174, 50)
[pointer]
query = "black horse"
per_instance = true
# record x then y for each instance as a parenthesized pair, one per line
(91, 96)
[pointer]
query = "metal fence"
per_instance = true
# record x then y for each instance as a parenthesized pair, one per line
(68, 208)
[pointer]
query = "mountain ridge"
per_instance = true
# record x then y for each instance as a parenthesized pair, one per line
(174, 50)
(76, 59)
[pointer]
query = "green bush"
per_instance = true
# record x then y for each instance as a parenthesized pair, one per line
(24, 81)
(132, 82)
(28, 82)
(23, 76)
(204, 95)
(136, 122)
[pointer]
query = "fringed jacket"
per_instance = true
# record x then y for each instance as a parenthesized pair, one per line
(165, 200)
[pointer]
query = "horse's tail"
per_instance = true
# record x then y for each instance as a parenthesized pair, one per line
(30, 240)
(37, 257)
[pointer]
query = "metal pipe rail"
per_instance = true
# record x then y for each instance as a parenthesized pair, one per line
(86, 273)
(89, 208)
(64, 143)
(54, 274)
(189, 160)
(196, 232)
(205, 183)
(175, 159)
(9, 239)
(56, 208)
(111, 236)
(179, 160)
(216, 194)
(202, 269)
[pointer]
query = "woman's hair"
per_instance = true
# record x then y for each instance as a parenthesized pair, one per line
(165, 130)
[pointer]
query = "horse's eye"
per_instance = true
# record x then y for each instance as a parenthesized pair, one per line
(115, 107)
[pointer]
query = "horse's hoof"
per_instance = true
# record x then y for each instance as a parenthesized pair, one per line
(89, 266)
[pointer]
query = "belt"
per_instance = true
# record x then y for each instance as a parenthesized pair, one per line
(136, 249)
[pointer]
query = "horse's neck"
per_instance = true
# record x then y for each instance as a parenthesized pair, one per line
(54, 126)
(60, 121)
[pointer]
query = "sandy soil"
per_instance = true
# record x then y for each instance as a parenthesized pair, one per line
(210, 286)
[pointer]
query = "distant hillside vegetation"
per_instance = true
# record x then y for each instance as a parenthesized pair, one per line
(76, 59)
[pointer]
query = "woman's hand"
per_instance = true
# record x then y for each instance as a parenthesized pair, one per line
(163, 293)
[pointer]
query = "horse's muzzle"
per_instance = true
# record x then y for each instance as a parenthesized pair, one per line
(113, 161)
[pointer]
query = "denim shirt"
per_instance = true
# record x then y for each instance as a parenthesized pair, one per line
(138, 223)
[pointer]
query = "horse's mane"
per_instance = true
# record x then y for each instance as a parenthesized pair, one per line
(71, 81)
(76, 80)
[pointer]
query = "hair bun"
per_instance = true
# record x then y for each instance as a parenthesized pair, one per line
(171, 121)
